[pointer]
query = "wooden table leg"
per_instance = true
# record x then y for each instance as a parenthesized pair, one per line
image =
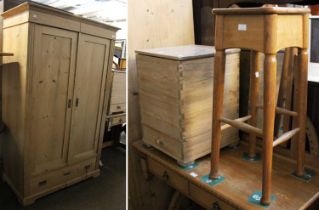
(218, 98)
(253, 98)
(269, 121)
(301, 108)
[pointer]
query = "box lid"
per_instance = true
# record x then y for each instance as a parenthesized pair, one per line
(185, 52)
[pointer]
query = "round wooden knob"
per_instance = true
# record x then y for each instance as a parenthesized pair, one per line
(158, 141)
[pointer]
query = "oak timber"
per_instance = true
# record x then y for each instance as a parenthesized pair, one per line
(263, 29)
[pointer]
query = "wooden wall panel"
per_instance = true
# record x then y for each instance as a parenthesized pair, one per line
(204, 21)
(151, 24)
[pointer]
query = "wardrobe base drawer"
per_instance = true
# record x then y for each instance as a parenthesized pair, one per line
(62, 176)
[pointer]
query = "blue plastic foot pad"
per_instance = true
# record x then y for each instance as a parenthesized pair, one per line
(256, 158)
(210, 181)
(256, 197)
(307, 175)
(189, 166)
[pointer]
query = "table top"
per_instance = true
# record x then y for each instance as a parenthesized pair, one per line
(185, 52)
(260, 11)
(242, 178)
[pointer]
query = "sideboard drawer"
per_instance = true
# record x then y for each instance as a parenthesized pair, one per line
(170, 177)
(207, 200)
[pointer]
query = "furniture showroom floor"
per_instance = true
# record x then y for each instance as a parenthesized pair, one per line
(104, 192)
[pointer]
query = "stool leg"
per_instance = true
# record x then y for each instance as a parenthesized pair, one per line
(253, 98)
(269, 121)
(288, 87)
(301, 108)
(282, 100)
(218, 96)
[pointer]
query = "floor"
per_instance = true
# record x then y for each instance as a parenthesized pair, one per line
(104, 192)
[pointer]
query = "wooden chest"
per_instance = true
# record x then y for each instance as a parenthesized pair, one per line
(175, 89)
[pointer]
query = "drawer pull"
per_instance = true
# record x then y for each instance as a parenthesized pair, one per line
(118, 107)
(77, 101)
(165, 176)
(69, 103)
(42, 183)
(87, 167)
(216, 206)
(159, 142)
(66, 173)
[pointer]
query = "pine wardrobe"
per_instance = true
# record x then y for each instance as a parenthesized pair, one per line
(55, 96)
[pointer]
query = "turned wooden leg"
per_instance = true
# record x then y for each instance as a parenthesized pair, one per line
(218, 96)
(301, 82)
(283, 91)
(253, 98)
(288, 88)
(269, 121)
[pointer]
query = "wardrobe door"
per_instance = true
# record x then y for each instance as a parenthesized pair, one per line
(90, 77)
(53, 66)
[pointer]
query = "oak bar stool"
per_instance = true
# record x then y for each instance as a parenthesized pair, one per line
(263, 30)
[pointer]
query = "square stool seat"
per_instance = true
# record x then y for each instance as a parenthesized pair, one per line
(263, 29)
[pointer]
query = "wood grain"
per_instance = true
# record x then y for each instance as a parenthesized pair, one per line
(241, 27)
(154, 20)
(176, 90)
(54, 78)
(234, 191)
(88, 98)
(53, 75)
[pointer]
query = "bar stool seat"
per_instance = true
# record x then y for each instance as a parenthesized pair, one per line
(263, 30)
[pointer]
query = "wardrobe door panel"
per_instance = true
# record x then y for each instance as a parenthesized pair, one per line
(51, 90)
(92, 62)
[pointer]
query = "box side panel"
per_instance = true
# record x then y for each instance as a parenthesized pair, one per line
(159, 94)
(197, 97)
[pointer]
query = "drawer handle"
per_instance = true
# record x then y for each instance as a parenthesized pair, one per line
(159, 142)
(77, 101)
(66, 173)
(87, 167)
(69, 103)
(165, 176)
(42, 183)
(118, 107)
(216, 206)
